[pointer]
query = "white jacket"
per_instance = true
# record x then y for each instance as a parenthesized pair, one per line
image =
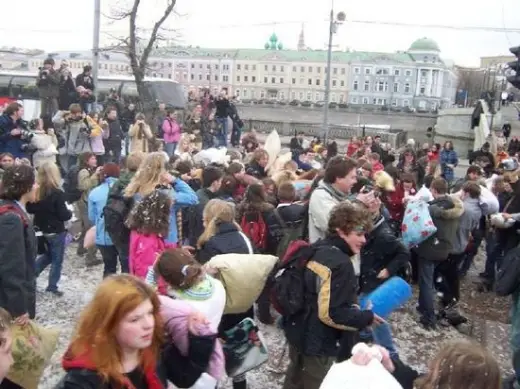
(46, 146)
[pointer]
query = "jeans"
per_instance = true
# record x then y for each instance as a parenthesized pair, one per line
(123, 253)
(170, 148)
(110, 257)
(54, 258)
(426, 270)
(494, 256)
(449, 270)
(222, 135)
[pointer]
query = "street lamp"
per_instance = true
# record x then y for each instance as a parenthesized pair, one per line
(334, 22)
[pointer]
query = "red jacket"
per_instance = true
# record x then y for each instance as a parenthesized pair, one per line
(352, 148)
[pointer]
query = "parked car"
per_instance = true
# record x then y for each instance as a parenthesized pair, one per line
(295, 103)
(343, 105)
(254, 101)
(270, 102)
(384, 108)
(395, 109)
(282, 102)
(246, 101)
(333, 105)
(409, 109)
(319, 103)
(306, 103)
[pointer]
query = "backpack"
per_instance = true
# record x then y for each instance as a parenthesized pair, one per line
(288, 288)
(254, 227)
(70, 185)
(115, 213)
(290, 233)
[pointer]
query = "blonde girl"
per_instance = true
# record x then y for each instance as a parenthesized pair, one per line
(50, 214)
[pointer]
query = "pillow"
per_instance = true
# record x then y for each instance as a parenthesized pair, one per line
(243, 276)
(33, 346)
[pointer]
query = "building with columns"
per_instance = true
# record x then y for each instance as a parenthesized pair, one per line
(417, 78)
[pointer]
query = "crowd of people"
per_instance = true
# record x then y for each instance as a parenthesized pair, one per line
(160, 215)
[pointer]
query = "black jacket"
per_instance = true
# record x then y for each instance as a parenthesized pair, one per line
(50, 213)
(195, 215)
(382, 251)
(255, 170)
(18, 252)
(331, 315)
(227, 240)
(182, 371)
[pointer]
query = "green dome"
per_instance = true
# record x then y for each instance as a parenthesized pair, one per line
(280, 46)
(273, 38)
(424, 44)
(267, 46)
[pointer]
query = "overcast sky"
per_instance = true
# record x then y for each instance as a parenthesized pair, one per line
(68, 24)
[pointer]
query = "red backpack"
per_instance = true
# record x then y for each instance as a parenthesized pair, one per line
(254, 227)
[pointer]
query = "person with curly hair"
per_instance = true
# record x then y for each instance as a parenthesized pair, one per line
(149, 222)
(328, 328)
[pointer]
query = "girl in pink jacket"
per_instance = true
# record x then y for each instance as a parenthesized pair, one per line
(149, 223)
(171, 132)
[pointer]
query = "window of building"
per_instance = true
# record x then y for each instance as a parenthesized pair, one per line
(406, 103)
(253, 79)
(310, 69)
(334, 82)
(262, 94)
(397, 72)
(200, 77)
(300, 95)
(425, 59)
(357, 70)
(245, 92)
(341, 98)
(318, 81)
(273, 80)
(354, 100)
(266, 68)
(342, 71)
(294, 80)
(265, 80)
(380, 86)
(382, 72)
(302, 69)
(355, 86)
(423, 73)
(237, 92)
(254, 67)
(408, 73)
(396, 87)
(293, 95)
(309, 95)
(294, 68)
(407, 88)
(282, 69)
(318, 70)
(342, 83)
(216, 77)
(274, 68)
(281, 80)
(368, 71)
(193, 66)
(334, 70)
(246, 78)
(309, 81)
(365, 100)
(317, 97)
(238, 78)
(200, 66)
(225, 78)
(394, 103)
(281, 95)
(422, 90)
(192, 76)
(367, 86)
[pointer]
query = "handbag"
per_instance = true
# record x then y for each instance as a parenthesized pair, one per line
(244, 348)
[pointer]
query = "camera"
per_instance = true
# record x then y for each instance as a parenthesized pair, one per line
(26, 128)
(28, 148)
(85, 130)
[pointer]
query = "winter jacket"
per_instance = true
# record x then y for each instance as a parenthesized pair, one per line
(468, 222)
(49, 87)
(195, 222)
(227, 240)
(51, 212)
(448, 157)
(445, 212)
(68, 94)
(255, 170)
(97, 199)
(85, 81)
(140, 142)
(77, 133)
(175, 313)
(9, 143)
(46, 148)
(18, 249)
(171, 131)
(381, 251)
(87, 180)
(323, 199)
(115, 135)
(144, 250)
(331, 315)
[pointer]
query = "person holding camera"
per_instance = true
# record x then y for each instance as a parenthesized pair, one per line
(85, 88)
(49, 87)
(140, 135)
(68, 94)
(14, 134)
(78, 130)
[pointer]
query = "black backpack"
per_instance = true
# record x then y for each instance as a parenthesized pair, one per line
(290, 232)
(70, 185)
(115, 213)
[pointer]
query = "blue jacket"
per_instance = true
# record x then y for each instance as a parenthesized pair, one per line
(448, 157)
(8, 143)
(182, 196)
(97, 199)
